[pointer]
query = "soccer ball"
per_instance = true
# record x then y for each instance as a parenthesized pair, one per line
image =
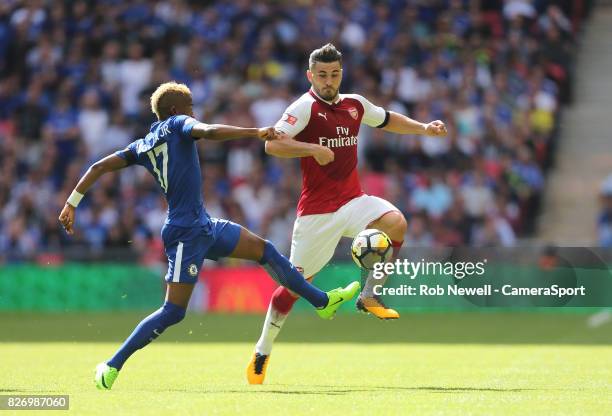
(371, 246)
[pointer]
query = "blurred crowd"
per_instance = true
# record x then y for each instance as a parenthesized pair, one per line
(76, 77)
(604, 222)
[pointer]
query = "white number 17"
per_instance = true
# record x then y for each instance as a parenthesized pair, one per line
(163, 175)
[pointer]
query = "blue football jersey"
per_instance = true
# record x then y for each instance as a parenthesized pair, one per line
(169, 153)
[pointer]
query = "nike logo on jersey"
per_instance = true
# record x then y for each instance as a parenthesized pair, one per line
(324, 115)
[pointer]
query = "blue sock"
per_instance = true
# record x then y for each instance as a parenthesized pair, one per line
(287, 275)
(147, 330)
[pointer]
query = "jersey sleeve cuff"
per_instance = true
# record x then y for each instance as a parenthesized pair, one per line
(188, 126)
(282, 129)
(127, 155)
(385, 121)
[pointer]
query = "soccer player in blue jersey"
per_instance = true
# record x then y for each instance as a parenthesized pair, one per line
(190, 235)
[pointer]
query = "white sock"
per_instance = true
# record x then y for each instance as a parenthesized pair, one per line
(272, 326)
(368, 288)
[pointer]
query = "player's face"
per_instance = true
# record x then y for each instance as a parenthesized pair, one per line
(325, 78)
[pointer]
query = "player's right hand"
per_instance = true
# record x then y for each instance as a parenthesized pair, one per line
(67, 218)
(323, 155)
(267, 133)
(436, 128)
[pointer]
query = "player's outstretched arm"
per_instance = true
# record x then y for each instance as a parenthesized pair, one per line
(286, 147)
(401, 124)
(108, 164)
(224, 132)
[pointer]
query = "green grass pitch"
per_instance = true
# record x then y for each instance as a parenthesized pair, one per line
(426, 363)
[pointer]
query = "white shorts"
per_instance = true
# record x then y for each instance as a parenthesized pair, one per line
(315, 237)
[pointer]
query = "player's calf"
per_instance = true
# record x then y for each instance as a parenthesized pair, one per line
(281, 270)
(283, 300)
(393, 224)
(280, 306)
(146, 331)
(253, 247)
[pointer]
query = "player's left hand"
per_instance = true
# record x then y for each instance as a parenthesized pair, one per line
(435, 128)
(267, 133)
(67, 218)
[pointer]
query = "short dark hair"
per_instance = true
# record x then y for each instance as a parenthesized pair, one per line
(326, 53)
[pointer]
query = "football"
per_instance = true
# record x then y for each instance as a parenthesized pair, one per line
(371, 246)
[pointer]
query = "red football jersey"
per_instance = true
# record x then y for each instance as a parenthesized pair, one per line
(335, 125)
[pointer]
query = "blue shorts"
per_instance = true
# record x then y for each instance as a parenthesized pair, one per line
(187, 247)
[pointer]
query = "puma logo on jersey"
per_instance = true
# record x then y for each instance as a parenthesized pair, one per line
(324, 115)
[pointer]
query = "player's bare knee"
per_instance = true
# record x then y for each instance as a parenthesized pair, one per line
(393, 223)
(401, 225)
(179, 293)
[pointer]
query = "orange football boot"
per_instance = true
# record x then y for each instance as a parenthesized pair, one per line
(256, 370)
(376, 307)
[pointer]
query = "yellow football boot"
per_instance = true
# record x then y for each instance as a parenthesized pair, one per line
(376, 307)
(256, 370)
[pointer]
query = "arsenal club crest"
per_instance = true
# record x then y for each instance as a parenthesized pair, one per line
(353, 112)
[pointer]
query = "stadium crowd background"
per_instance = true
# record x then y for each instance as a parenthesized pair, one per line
(75, 81)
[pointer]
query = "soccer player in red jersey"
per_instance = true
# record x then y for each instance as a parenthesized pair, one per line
(321, 128)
